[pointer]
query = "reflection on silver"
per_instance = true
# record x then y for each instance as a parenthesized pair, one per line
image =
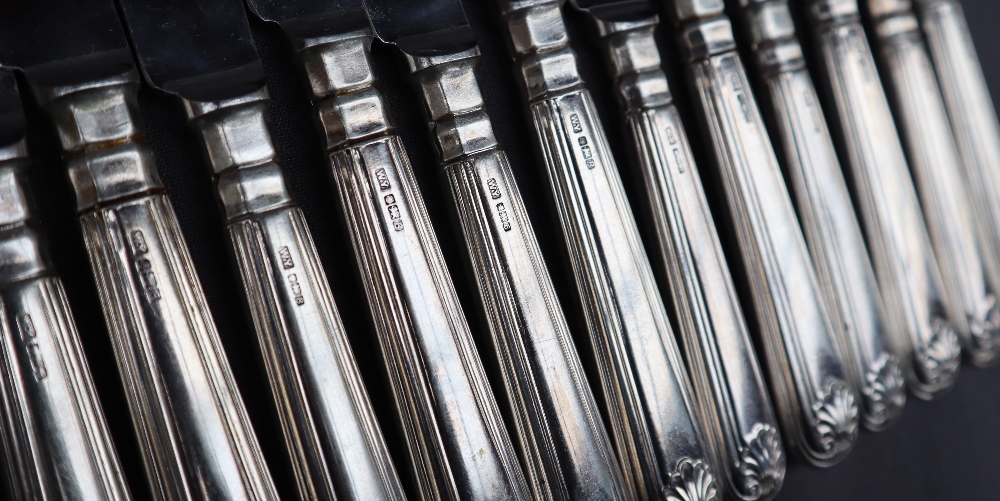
(828, 219)
(740, 423)
(937, 170)
(643, 381)
(196, 440)
(900, 248)
(976, 131)
(330, 432)
(564, 445)
(56, 444)
(810, 383)
(438, 382)
(973, 121)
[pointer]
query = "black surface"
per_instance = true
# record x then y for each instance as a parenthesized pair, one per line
(942, 450)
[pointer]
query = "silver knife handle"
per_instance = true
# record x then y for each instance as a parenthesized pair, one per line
(900, 248)
(730, 388)
(329, 426)
(440, 388)
(934, 162)
(828, 219)
(643, 380)
(564, 445)
(973, 117)
(55, 440)
(812, 387)
(193, 430)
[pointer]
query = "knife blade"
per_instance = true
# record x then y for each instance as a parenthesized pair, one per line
(558, 430)
(817, 402)
(647, 392)
(195, 437)
(833, 234)
(973, 117)
(204, 54)
(916, 102)
(740, 423)
(890, 213)
(55, 439)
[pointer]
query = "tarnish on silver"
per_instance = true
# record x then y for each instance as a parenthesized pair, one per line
(975, 126)
(564, 445)
(194, 434)
(824, 206)
(970, 297)
(331, 434)
(56, 444)
(736, 410)
(890, 214)
(457, 442)
(643, 380)
(798, 338)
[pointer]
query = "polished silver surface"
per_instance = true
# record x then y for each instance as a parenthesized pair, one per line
(330, 431)
(973, 119)
(812, 387)
(458, 445)
(824, 206)
(736, 410)
(890, 213)
(644, 384)
(55, 441)
(564, 445)
(970, 297)
(193, 431)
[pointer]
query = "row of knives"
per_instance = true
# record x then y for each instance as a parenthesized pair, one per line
(863, 190)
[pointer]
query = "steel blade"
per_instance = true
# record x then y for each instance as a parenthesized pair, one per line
(199, 50)
(616, 10)
(63, 42)
(312, 18)
(422, 27)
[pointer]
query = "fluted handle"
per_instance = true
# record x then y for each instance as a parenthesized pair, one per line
(827, 215)
(557, 422)
(900, 248)
(973, 118)
(730, 388)
(816, 401)
(644, 383)
(935, 165)
(195, 437)
(330, 431)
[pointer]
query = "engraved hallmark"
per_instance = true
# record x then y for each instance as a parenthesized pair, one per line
(29, 336)
(143, 266)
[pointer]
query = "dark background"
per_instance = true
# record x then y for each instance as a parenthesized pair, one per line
(946, 449)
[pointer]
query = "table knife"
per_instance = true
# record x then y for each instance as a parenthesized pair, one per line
(206, 57)
(831, 227)
(563, 444)
(916, 102)
(194, 434)
(890, 213)
(973, 117)
(646, 390)
(55, 440)
(736, 409)
(812, 386)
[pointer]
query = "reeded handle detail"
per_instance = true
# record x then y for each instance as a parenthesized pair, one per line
(644, 384)
(816, 401)
(730, 390)
(195, 437)
(973, 118)
(557, 421)
(324, 409)
(827, 215)
(900, 247)
(935, 165)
